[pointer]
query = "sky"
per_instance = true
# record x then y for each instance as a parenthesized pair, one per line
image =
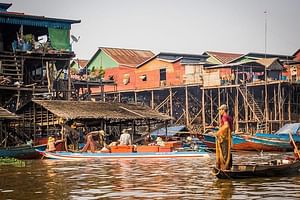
(180, 26)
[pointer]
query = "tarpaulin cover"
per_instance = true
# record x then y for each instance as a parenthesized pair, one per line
(59, 38)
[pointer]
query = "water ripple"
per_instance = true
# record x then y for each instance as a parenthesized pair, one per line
(140, 179)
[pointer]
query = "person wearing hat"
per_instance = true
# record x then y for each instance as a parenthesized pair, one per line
(125, 138)
(223, 142)
(160, 142)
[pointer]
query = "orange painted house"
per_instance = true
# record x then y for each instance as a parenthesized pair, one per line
(169, 69)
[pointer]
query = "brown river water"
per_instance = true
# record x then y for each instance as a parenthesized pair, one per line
(140, 179)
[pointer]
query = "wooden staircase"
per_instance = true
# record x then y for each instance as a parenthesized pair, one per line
(253, 105)
(11, 67)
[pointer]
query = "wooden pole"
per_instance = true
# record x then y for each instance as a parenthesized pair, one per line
(275, 104)
(203, 110)
(171, 103)
(289, 104)
(187, 107)
(152, 99)
(211, 107)
(219, 102)
(236, 110)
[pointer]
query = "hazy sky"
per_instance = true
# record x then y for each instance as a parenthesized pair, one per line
(183, 26)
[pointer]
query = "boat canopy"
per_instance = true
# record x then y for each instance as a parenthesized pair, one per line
(294, 128)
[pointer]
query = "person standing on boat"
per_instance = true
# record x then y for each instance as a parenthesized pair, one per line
(223, 142)
(125, 138)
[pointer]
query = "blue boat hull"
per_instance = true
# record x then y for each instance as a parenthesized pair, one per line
(251, 143)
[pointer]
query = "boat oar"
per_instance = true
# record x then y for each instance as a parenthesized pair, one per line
(296, 150)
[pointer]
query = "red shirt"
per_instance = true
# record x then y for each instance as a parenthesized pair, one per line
(226, 118)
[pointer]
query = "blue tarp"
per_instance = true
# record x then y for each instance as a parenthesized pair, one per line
(293, 128)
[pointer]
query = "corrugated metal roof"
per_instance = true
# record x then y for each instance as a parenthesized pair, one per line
(224, 57)
(183, 57)
(5, 114)
(4, 6)
(33, 20)
(128, 57)
(100, 110)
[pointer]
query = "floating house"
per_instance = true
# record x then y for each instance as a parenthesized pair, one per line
(35, 54)
(117, 65)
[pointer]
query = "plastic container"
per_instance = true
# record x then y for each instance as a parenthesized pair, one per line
(145, 148)
(165, 149)
(121, 149)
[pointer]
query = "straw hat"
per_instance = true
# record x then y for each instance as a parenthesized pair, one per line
(223, 107)
(101, 132)
(158, 139)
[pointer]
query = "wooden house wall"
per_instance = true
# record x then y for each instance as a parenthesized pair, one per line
(211, 77)
(193, 74)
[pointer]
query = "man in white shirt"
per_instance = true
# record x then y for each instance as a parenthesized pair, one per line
(125, 138)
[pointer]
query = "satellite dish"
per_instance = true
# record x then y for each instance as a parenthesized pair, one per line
(75, 39)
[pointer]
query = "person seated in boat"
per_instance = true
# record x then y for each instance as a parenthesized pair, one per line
(51, 144)
(160, 142)
(90, 142)
(223, 142)
(125, 138)
(190, 143)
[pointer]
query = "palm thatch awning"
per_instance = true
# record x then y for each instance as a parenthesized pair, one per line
(5, 114)
(100, 110)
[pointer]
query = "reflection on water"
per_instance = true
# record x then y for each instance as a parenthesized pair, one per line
(139, 179)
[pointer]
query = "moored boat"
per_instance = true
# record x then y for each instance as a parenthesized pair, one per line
(283, 133)
(26, 151)
(269, 169)
(251, 143)
(22, 151)
(62, 155)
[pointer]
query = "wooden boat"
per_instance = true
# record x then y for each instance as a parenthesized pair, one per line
(26, 151)
(62, 155)
(250, 143)
(22, 152)
(283, 133)
(269, 169)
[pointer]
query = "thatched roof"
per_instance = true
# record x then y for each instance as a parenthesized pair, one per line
(100, 110)
(5, 114)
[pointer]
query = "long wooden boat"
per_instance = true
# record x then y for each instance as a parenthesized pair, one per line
(26, 151)
(283, 133)
(269, 169)
(62, 155)
(250, 143)
(22, 151)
